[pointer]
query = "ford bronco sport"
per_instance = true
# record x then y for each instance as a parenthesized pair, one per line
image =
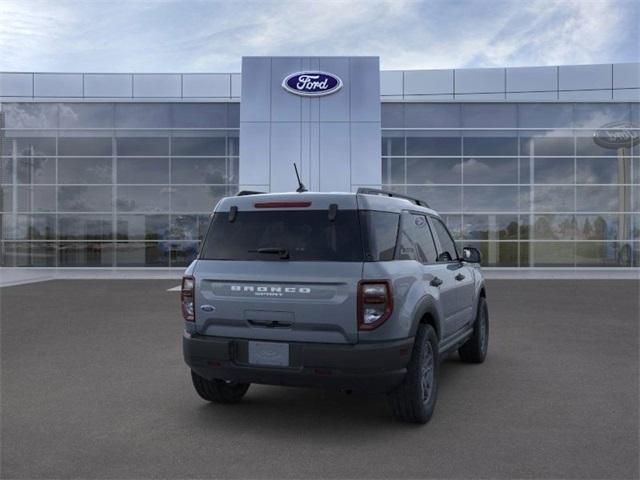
(355, 291)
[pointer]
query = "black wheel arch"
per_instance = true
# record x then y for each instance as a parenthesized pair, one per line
(427, 313)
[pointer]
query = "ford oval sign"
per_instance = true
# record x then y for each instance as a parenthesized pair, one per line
(312, 84)
(617, 135)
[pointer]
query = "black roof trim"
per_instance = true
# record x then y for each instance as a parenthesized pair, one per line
(386, 193)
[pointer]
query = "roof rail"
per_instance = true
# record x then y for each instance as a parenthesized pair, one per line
(242, 193)
(386, 193)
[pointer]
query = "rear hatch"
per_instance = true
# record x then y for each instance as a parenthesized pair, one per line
(281, 267)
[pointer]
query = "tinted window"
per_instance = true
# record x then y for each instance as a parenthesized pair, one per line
(380, 230)
(416, 242)
(305, 235)
(447, 245)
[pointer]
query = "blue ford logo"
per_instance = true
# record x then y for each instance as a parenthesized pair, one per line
(312, 84)
(617, 135)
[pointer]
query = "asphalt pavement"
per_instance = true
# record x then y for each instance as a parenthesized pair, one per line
(93, 386)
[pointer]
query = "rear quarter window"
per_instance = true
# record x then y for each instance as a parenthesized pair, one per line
(380, 231)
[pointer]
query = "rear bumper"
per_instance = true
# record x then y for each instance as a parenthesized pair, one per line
(373, 367)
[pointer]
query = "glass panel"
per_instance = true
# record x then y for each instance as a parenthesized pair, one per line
(84, 199)
(392, 143)
(36, 170)
(432, 115)
(233, 115)
(541, 145)
(143, 146)
(490, 170)
(83, 115)
(6, 199)
(636, 169)
(442, 199)
(454, 224)
(603, 199)
(554, 227)
(427, 144)
(490, 199)
(490, 145)
(553, 199)
(553, 170)
(497, 254)
(36, 199)
(29, 227)
(545, 115)
(85, 227)
(199, 115)
(587, 147)
(197, 199)
(84, 170)
(603, 170)
(434, 170)
(198, 146)
(183, 253)
(635, 229)
(392, 115)
(84, 146)
(598, 114)
(199, 170)
(37, 254)
(379, 232)
(143, 199)
(552, 254)
(603, 254)
(393, 170)
(489, 115)
(142, 254)
(143, 170)
(31, 146)
(6, 170)
(30, 115)
(604, 227)
(447, 245)
(94, 254)
(143, 227)
(186, 227)
(142, 115)
(490, 227)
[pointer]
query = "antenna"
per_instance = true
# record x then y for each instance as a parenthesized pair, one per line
(301, 188)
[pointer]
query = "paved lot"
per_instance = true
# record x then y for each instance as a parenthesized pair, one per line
(93, 386)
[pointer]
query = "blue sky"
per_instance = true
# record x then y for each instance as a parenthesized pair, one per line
(212, 36)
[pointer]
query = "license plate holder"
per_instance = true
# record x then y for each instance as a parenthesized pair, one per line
(272, 354)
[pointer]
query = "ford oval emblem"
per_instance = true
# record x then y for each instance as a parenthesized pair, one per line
(617, 135)
(312, 84)
(207, 308)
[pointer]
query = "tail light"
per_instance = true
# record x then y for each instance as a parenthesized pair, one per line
(375, 303)
(187, 298)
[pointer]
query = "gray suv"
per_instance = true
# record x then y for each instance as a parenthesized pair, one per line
(355, 291)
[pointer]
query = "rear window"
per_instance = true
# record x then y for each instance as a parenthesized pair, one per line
(292, 235)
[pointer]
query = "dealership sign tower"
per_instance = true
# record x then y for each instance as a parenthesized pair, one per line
(322, 113)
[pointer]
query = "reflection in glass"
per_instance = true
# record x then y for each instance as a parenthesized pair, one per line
(540, 145)
(200, 115)
(490, 145)
(604, 227)
(433, 170)
(454, 224)
(84, 170)
(442, 199)
(92, 254)
(199, 170)
(143, 146)
(86, 115)
(490, 170)
(37, 254)
(603, 170)
(151, 254)
(183, 253)
(545, 115)
(431, 145)
(553, 199)
(197, 199)
(85, 227)
(84, 146)
(490, 227)
(496, 254)
(491, 199)
(392, 115)
(596, 115)
(30, 115)
(603, 198)
(142, 115)
(432, 115)
(392, 144)
(6, 171)
(393, 170)
(31, 146)
(84, 199)
(604, 254)
(552, 254)
(553, 170)
(143, 170)
(198, 146)
(36, 199)
(143, 227)
(489, 115)
(36, 170)
(28, 227)
(554, 227)
(143, 199)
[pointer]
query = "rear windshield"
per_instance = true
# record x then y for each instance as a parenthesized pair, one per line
(293, 235)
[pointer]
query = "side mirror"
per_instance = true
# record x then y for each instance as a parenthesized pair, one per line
(471, 255)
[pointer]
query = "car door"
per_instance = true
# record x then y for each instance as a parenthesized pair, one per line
(461, 275)
(416, 242)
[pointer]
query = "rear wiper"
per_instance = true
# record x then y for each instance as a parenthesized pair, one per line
(283, 252)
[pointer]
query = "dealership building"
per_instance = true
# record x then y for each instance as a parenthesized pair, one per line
(537, 167)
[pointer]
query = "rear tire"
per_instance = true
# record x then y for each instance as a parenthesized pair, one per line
(414, 400)
(475, 349)
(219, 391)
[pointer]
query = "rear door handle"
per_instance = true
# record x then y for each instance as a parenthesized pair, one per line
(459, 277)
(436, 282)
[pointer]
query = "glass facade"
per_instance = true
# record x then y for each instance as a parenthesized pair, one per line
(524, 183)
(112, 184)
(133, 184)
